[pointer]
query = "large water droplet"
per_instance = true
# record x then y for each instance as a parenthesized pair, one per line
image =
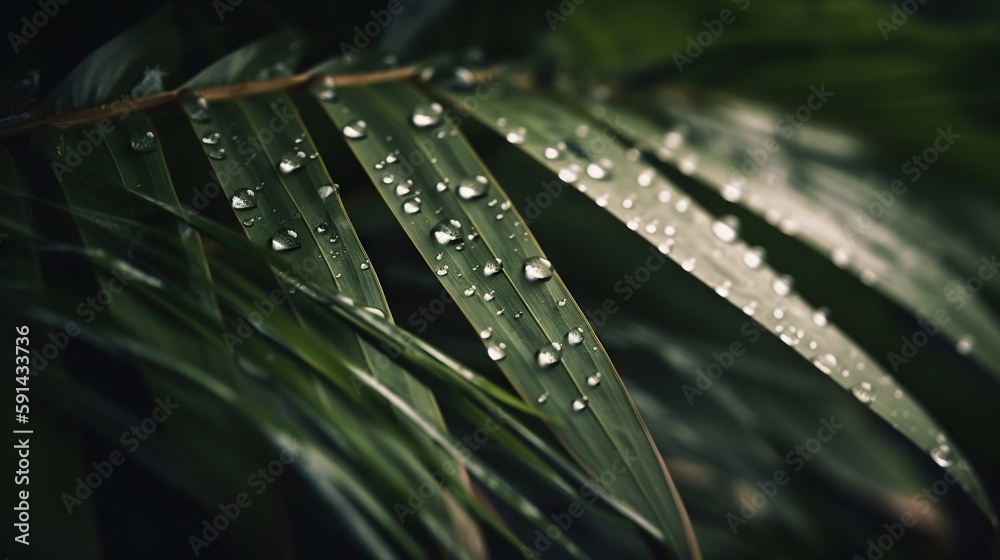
(292, 160)
(243, 199)
(537, 269)
(497, 352)
(428, 114)
(473, 187)
(143, 142)
(492, 267)
(549, 355)
(326, 190)
(412, 205)
(942, 455)
(447, 231)
(285, 240)
(575, 336)
(197, 109)
(864, 392)
(356, 129)
(726, 228)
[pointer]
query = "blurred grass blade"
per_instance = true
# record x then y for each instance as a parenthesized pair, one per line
(587, 155)
(889, 253)
(500, 279)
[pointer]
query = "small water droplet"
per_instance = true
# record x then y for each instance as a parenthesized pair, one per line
(726, 228)
(864, 392)
(821, 317)
(732, 193)
(285, 240)
(492, 267)
(197, 109)
(689, 264)
(537, 269)
(754, 257)
(516, 135)
(291, 161)
(561, 303)
(248, 222)
(365, 266)
(488, 296)
(412, 205)
(216, 153)
(486, 333)
(942, 455)
(645, 178)
(555, 152)
(600, 169)
(356, 129)
(211, 138)
(243, 199)
(473, 187)
(782, 285)
(497, 352)
(447, 232)
(575, 336)
(442, 270)
(143, 142)
(323, 227)
(594, 380)
(964, 345)
(427, 114)
(470, 291)
(326, 190)
(543, 398)
(826, 363)
(579, 404)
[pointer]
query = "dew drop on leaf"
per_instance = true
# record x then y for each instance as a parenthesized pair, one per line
(472, 188)
(447, 232)
(143, 142)
(537, 269)
(864, 392)
(356, 129)
(549, 355)
(285, 240)
(243, 199)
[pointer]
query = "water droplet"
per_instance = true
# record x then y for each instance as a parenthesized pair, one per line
(516, 135)
(821, 317)
(428, 114)
(942, 455)
(365, 266)
(216, 153)
(488, 296)
(645, 178)
(447, 231)
(492, 267)
(244, 199)
(442, 270)
(549, 355)
(323, 227)
(754, 257)
(356, 129)
(782, 285)
(840, 258)
(732, 193)
(285, 240)
(594, 380)
(964, 345)
(561, 303)
(249, 222)
(291, 161)
(726, 228)
(689, 264)
(411, 205)
(579, 404)
(197, 109)
(543, 398)
(143, 142)
(575, 336)
(470, 291)
(403, 189)
(326, 190)
(537, 269)
(486, 333)
(826, 363)
(327, 92)
(600, 169)
(211, 138)
(473, 187)
(864, 392)
(555, 152)
(441, 186)
(497, 352)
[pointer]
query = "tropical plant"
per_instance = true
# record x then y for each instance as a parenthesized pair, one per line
(189, 263)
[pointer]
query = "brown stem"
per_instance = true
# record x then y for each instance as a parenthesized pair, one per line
(230, 91)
